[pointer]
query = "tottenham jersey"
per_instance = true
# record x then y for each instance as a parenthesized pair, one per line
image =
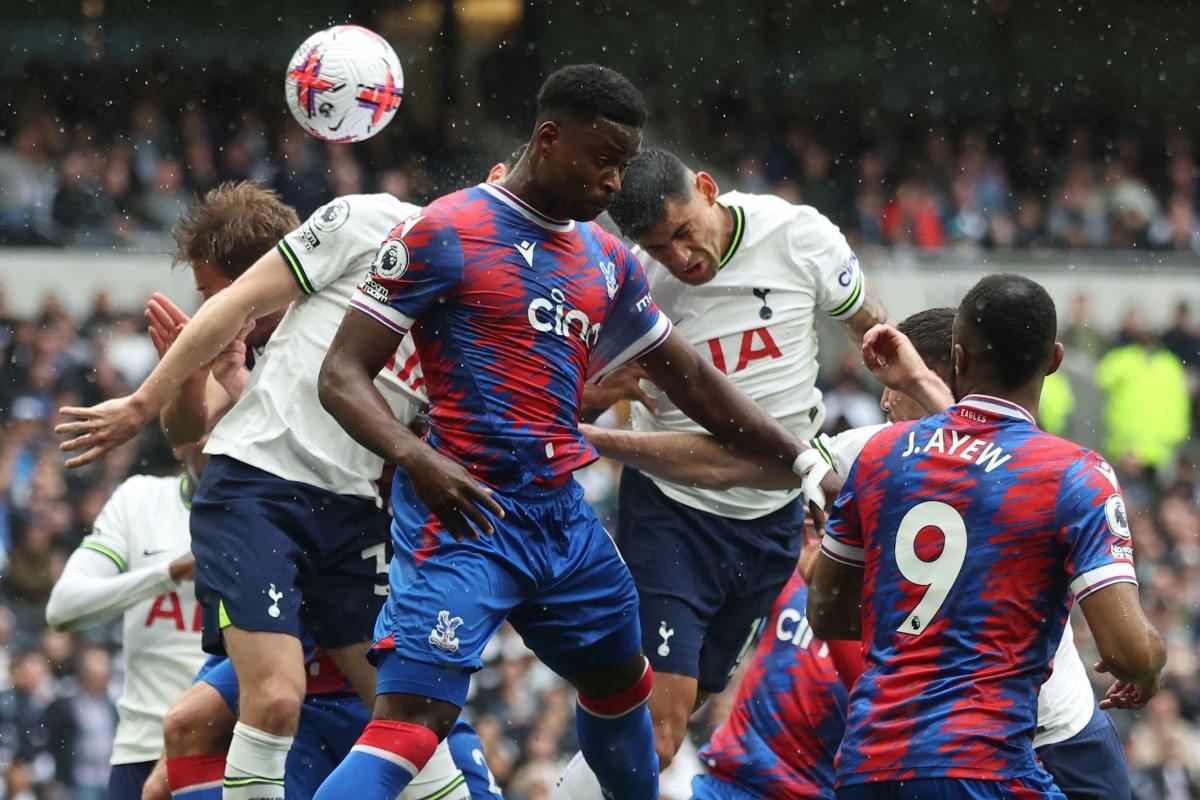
(146, 522)
(755, 322)
(279, 425)
(1065, 701)
(975, 529)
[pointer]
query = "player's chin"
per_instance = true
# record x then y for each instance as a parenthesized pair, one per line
(588, 210)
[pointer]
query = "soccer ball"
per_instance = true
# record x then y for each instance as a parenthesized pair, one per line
(344, 84)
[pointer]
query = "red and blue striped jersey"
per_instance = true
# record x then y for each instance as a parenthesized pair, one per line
(975, 529)
(790, 711)
(511, 312)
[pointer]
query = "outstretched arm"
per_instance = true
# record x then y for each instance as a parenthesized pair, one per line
(711, 399)
(347, 390)
(692, 459)
(266, 287)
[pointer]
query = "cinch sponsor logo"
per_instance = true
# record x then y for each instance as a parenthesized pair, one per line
(553, 316)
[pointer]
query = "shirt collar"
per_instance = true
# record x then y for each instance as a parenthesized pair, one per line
(524, 209)
(997, 407)
(739, 231)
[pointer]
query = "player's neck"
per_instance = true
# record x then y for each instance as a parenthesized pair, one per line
(520, 184)
(1027, 397)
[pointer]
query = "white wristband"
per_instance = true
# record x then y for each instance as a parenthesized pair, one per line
(811, 466)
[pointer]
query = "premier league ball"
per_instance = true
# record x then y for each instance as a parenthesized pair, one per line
(344, 84)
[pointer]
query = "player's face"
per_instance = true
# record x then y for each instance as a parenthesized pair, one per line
(899, 407)
(585, 162)
(687, 240)
(210, 280)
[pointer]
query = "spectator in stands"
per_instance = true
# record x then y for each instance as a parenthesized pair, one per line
(1181, 338)
(1078, 216)
(82, 209)
(80, 727)
(1081, 335)
(1147, 409)
(1163, 752)
(911, 217)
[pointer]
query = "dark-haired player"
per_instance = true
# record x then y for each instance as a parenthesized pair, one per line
(789, 716)
(966, 535)
(515, 299)
(742, 277)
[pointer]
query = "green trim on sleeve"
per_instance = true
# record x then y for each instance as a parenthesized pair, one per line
(289, 256)
(854, 296)
(106, 551)
(447, 789)
(817, 445)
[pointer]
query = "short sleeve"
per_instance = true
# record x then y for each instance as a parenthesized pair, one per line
(321, 249)
(420, 262)
(843, 540)
(841, 451)
(110, 534)
(1094, 526)
(634, 325)
(822, 252)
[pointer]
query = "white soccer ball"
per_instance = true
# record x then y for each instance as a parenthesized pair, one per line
(344, 84)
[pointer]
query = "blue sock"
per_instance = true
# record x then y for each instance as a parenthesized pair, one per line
(384, 760)
(468, 755)
(617, 740)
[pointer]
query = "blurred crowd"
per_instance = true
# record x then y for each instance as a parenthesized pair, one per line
(116, 165)
(57, 690)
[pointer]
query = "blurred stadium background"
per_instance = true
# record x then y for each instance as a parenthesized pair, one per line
(947, 139)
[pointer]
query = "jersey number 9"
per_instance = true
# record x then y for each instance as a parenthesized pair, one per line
(938, 574)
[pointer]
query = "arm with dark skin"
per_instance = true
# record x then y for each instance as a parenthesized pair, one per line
(835, 600)
(1130, 648)
(707, 396)
(346, 388)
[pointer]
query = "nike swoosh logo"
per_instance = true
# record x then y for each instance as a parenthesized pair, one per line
(408, 224)
(341, 121)
(148, 553)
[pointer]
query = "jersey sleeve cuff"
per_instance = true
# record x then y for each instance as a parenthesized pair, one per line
(853, 302)
(1090, 581)
(293, 262)
(842, 552)
(381, 312)
(107, 551)
(656, 335)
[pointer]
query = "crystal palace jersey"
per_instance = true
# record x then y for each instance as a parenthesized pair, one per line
(789, 713)
(975, 529)
(278, 424)
(511, 312)
(755, 321)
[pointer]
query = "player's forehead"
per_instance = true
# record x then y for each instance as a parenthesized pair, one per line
(680, 217)
(603, 136)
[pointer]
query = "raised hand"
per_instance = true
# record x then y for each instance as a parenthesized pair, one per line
(229, 368)
(892, 358)
(622, 384)
(166, 320)
(100, 428)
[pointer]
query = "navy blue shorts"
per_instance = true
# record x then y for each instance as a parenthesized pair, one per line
(706, 582)
(1091, 764)
(125, 781)
(1031, 787)
(550, 569)
(271, 553)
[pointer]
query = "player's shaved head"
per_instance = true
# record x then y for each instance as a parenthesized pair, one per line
(655, 176)
(1005, 326)
(583, 92)
(932, 334)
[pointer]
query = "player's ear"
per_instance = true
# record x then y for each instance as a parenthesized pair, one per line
(1056, 358)
(547, 136)
(707, 186)
(960, 360)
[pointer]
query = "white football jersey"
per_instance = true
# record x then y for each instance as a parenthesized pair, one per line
(1065, 701)
(146, 522)
(755, 322)
(278, 424)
